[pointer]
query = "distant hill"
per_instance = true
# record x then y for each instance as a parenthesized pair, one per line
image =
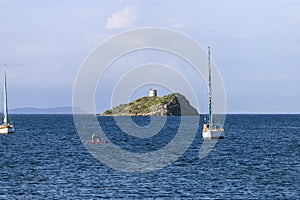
(32, 110)
(174, 104)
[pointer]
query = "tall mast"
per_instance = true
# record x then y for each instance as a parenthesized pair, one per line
(5, 109)
(210, 90)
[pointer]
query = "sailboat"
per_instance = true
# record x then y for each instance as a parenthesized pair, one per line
(7, 126)
(211, 130)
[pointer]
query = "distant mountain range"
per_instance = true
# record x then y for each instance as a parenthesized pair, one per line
(33, 110)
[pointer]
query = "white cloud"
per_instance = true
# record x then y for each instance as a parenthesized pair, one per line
(123, 18)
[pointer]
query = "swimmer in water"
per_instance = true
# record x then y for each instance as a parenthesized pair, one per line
(93, 138)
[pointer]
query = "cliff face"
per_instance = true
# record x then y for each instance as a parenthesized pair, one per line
(172, 105)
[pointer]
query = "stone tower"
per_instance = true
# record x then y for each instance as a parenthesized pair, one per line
(152, 93)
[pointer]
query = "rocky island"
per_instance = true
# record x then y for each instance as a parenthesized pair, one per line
(174, 104)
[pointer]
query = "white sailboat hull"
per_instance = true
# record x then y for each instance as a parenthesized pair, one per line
(6, 129)
(212, 134)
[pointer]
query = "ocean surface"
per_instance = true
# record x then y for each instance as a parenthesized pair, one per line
(46, 159)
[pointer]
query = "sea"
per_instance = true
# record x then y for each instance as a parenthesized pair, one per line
(45, 158)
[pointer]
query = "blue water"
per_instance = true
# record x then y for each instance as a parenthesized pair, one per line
(259, 158)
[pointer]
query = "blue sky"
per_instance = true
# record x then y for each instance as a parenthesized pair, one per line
(255, 45)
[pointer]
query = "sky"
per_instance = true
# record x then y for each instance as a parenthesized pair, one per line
(255, 45)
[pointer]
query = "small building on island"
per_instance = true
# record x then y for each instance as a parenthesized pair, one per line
(152, 93)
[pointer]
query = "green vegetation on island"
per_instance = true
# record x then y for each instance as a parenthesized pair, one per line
(174, 104)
